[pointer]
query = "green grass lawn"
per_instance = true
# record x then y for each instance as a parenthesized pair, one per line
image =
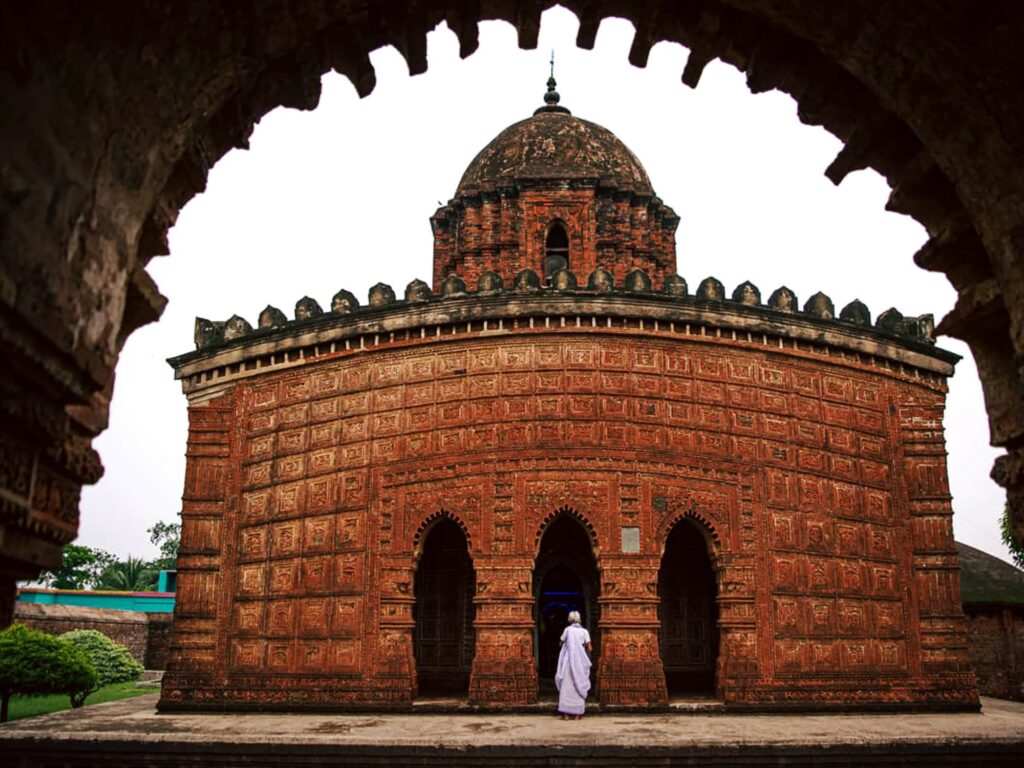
(29, 706)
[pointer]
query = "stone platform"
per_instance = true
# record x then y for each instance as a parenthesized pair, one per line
(130, 733)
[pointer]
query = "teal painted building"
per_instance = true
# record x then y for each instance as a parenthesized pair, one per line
(161, 601)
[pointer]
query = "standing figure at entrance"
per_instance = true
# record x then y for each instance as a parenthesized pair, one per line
(573, 676)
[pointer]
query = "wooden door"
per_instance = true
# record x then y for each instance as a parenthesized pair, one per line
(444, 613)
(688, 614)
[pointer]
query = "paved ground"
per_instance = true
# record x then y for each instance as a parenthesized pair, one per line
(136, 718)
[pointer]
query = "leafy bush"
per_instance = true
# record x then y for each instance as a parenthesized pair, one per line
(112, 661)
(1006, 529)
(34, 662)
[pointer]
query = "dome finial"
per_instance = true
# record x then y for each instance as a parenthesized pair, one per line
(551, 98)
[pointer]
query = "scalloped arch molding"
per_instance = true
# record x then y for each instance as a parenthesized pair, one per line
(115, 117)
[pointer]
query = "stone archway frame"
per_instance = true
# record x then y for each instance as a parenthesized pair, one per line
(395, 655)
(738, 661)
(581, 518)
(701, 522)
(713, 544)
(939, 134)
(593, 601)
(422, 532)
(427, 525)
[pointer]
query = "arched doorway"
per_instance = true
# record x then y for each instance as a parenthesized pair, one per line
(688, 612)
(443, 612)
(565, 579)
(556, 250)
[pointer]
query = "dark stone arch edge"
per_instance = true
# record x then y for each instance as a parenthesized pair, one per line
(782, 47)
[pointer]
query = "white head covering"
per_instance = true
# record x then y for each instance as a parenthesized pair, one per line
(574, 617)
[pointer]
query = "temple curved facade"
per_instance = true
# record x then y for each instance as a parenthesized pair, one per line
(746, 499)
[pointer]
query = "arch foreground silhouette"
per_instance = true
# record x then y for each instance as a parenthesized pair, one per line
(928, 95)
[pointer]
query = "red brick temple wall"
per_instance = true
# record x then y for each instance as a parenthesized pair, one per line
(504, 232)
(817, 476)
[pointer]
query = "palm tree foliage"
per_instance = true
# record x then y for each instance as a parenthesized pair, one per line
(131, 575)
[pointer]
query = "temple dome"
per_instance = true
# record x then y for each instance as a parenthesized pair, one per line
(554, 145)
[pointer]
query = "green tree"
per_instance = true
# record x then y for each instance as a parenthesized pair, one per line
(131, 575)
(1016, 550)
(80, 568)
(111, 660)
(33, 662)
(167, 538)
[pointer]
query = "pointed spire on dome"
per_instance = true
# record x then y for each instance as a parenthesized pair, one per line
(551, 98)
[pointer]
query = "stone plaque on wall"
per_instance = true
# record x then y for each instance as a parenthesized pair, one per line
(630, 540)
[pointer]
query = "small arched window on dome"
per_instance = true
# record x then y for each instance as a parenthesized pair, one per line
(556, 250)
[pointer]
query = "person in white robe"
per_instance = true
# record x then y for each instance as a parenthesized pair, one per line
(572, 678)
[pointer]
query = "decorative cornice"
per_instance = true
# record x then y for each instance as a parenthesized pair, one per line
(595, 305)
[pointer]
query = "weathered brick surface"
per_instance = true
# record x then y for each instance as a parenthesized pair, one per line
(115, 116)
(504, 233)
(997, 650)
(807, 451)
(554, 167)
(158, 639)
(819, 477)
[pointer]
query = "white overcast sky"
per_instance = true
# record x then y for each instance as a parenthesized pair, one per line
(340, 198)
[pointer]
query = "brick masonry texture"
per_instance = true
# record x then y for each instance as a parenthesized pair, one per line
(554, 168)
(928, 93)
(815, 475)
(997, 650)
(821, 483)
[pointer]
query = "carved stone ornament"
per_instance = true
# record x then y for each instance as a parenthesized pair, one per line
(490, 282)
(417, 291)
(208, 333)
(563, 280)
(271, 317)
(711, 289)
(344, 303)
(601, 280)
(926, 328)
(453, 285)
(236, 327)
(891, 320)
(675, 285)
(747, 293)
(527, 281)
(856, 312)
(638, 281)
(820, 305)
(783, 300)
(307, 308)
(381, 294)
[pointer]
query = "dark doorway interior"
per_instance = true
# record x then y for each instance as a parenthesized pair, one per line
(688, 612)
(565, 579)
(445, 585)
(556, 250)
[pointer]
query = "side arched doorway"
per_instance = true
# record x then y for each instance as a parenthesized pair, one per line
(565, 579)
(688, 612)
(444, 612)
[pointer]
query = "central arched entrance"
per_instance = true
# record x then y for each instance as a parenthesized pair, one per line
(688, 612)
(444, 612)
(565, 579)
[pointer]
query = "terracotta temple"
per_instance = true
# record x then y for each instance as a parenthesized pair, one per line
(746, 498)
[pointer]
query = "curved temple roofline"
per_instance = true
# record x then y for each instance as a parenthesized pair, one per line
(905, 340)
